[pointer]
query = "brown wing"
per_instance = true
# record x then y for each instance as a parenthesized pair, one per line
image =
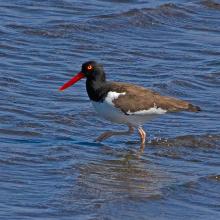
(138, 98)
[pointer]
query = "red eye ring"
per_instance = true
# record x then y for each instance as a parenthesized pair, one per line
(89, 67)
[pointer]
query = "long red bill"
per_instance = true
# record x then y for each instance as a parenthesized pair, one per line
(75, 79)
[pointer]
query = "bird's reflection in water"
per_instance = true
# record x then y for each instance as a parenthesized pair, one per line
(120, 173)
(123, 175)
(127, 172)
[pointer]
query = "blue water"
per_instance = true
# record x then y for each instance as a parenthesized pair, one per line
(50, 166)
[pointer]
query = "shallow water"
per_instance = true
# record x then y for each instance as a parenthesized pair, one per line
(50, 166)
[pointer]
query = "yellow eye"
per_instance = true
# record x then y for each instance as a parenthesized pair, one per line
(89, 67)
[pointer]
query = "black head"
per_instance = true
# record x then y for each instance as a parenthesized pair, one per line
(93, 70)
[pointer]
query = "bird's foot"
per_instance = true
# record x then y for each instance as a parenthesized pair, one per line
(104, 136)
(108, 134)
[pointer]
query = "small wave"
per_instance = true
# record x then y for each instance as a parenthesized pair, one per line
(143, 17)
(19, 133)
(171, 10)
(212, 78)
(206, 141)
(146, 16)
(39, 31)
(214, 178)
(211, 4)
(9, 80)
(44, 33)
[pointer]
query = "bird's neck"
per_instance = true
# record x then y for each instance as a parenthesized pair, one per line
(96, 88)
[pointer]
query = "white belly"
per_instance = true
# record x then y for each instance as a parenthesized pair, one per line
(113, 114)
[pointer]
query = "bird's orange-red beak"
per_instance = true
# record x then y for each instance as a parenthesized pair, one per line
(72, 81)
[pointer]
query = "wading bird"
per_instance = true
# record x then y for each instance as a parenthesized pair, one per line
(125, 103)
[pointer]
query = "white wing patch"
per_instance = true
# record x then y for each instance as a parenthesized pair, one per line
(108, 111)
(153, 110)
(113, 95)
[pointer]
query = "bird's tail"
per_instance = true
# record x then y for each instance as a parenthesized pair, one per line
(193, 108)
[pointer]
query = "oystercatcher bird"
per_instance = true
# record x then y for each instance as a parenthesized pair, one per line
(125, 103)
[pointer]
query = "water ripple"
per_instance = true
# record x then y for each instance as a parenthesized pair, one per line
(50, 165)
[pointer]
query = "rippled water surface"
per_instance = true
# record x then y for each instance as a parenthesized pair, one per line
(50, 166)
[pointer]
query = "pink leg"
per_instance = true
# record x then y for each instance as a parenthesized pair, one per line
(108, 134)
(143, 137)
